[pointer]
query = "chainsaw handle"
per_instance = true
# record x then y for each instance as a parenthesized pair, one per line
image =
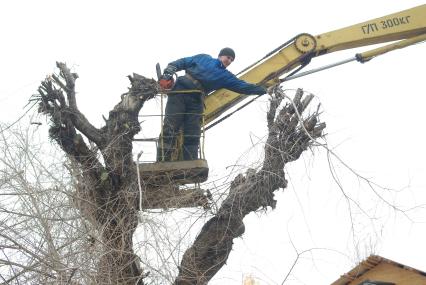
(158, 69)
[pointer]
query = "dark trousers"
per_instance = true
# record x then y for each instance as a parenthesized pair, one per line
(183, 111)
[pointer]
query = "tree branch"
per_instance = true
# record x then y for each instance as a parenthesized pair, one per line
(79, 120)
(286, 141)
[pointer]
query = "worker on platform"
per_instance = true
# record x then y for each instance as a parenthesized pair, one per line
(203, 74)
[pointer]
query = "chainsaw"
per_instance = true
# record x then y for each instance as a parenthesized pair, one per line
(165, 84)
(168, 84)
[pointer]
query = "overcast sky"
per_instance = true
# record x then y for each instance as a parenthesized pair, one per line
(374, 115)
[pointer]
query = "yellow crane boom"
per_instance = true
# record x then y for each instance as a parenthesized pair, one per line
(402, 29)
(406, 27)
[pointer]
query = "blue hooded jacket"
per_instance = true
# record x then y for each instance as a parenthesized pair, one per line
(213, 75)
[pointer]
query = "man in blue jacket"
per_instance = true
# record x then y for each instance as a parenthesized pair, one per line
(184, 110)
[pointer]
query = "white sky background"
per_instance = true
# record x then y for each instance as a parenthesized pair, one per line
(374, 114)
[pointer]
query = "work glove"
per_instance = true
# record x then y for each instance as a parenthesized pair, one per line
(168, 72)
(166, 83)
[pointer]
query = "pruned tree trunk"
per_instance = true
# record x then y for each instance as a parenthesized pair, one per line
(107, 190)
(286, 141)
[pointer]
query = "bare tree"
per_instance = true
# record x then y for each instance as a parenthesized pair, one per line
(285, 143)
(105, 181)
(43, 238)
